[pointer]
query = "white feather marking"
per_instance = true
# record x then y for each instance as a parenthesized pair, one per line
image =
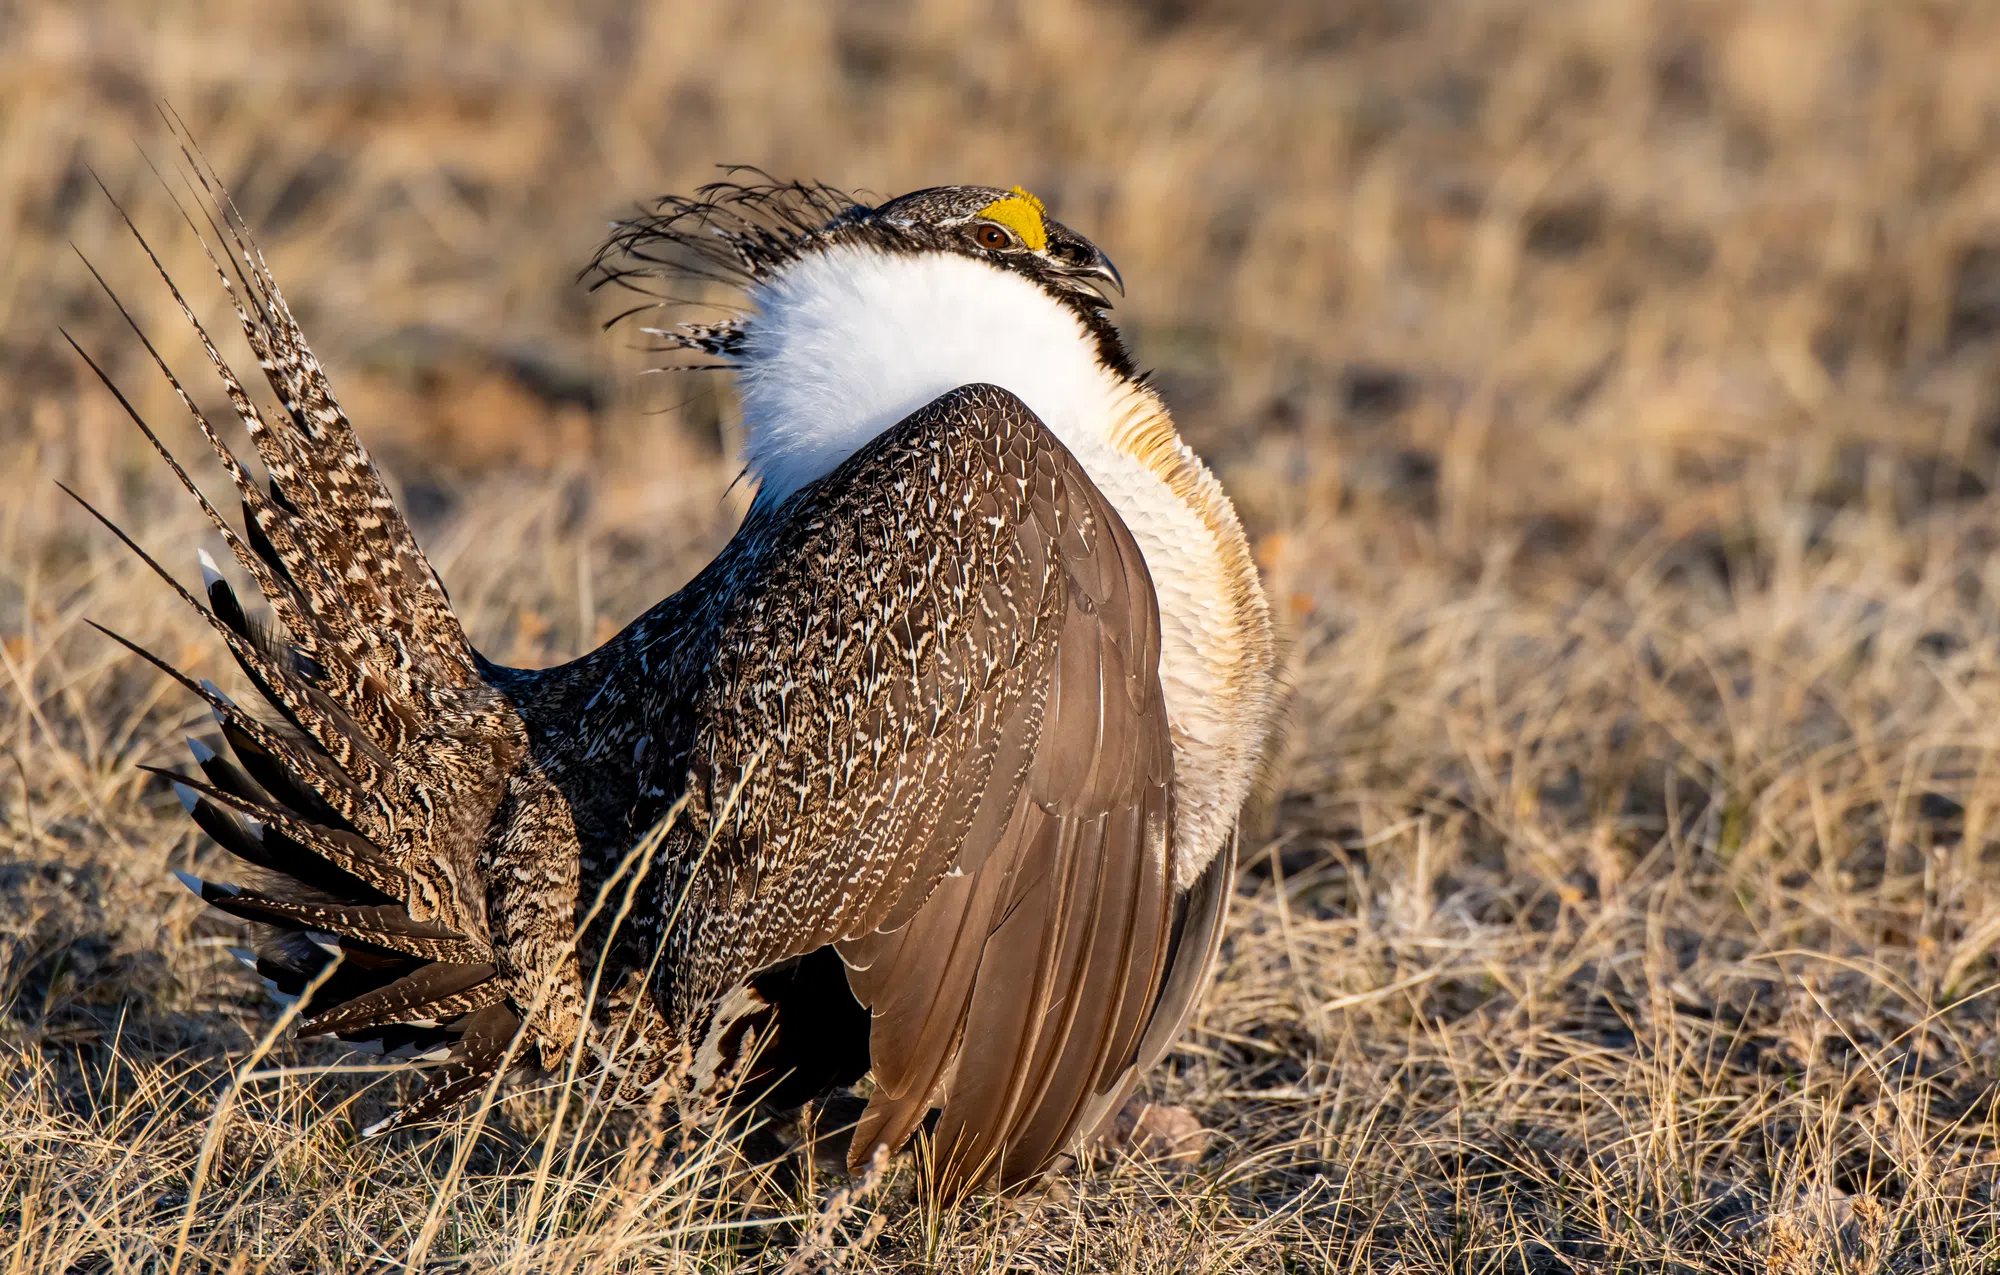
(708, 1060)
(211, 575)
(406, 1052)
(202, 752)
(216, 691)
(848, 342)
(196, 884)
(187, 796)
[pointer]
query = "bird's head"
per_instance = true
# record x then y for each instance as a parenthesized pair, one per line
(746, 235)
(1008, 229)
(840, 316)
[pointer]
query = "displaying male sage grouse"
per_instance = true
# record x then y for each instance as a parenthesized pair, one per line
(931, 776)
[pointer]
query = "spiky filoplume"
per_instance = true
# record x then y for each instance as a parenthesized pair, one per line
(890, 786)
(738, 234)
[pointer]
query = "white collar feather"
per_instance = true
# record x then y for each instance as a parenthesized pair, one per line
(847, 342)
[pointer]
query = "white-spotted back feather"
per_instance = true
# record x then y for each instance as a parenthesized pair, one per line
(845, 343)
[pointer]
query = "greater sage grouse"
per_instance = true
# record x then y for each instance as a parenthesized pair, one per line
(932, 776)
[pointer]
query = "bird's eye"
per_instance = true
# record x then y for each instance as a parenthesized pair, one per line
(992, 237)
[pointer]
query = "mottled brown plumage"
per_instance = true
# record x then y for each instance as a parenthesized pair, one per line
(909, 726)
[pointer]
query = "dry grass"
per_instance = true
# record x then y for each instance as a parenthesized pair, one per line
(1614, 386)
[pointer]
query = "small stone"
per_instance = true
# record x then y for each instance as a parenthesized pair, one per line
(1164, 1135)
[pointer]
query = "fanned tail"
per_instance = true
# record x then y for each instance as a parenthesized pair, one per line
(359, 799)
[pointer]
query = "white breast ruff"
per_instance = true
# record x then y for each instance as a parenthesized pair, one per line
(846, 343)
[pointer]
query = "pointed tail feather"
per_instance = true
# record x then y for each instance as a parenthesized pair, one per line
(341, 505)
(340, 864)
(365, 794)
(437, 993)
(479, 1053)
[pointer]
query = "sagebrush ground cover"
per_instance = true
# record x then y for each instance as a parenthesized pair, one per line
(1613, 387)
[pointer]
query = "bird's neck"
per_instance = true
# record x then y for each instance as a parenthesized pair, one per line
(847, 342)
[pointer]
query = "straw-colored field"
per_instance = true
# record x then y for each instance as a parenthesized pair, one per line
(1612, 388)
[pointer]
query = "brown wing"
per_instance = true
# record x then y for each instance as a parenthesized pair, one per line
(1197, 939)
(950, 663)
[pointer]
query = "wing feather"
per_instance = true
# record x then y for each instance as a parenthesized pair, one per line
(992, 772)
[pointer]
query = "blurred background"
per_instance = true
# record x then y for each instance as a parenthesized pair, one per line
(1513, 267)
(1611, 389)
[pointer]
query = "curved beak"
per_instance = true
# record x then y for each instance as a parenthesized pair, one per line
(1100, 276)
